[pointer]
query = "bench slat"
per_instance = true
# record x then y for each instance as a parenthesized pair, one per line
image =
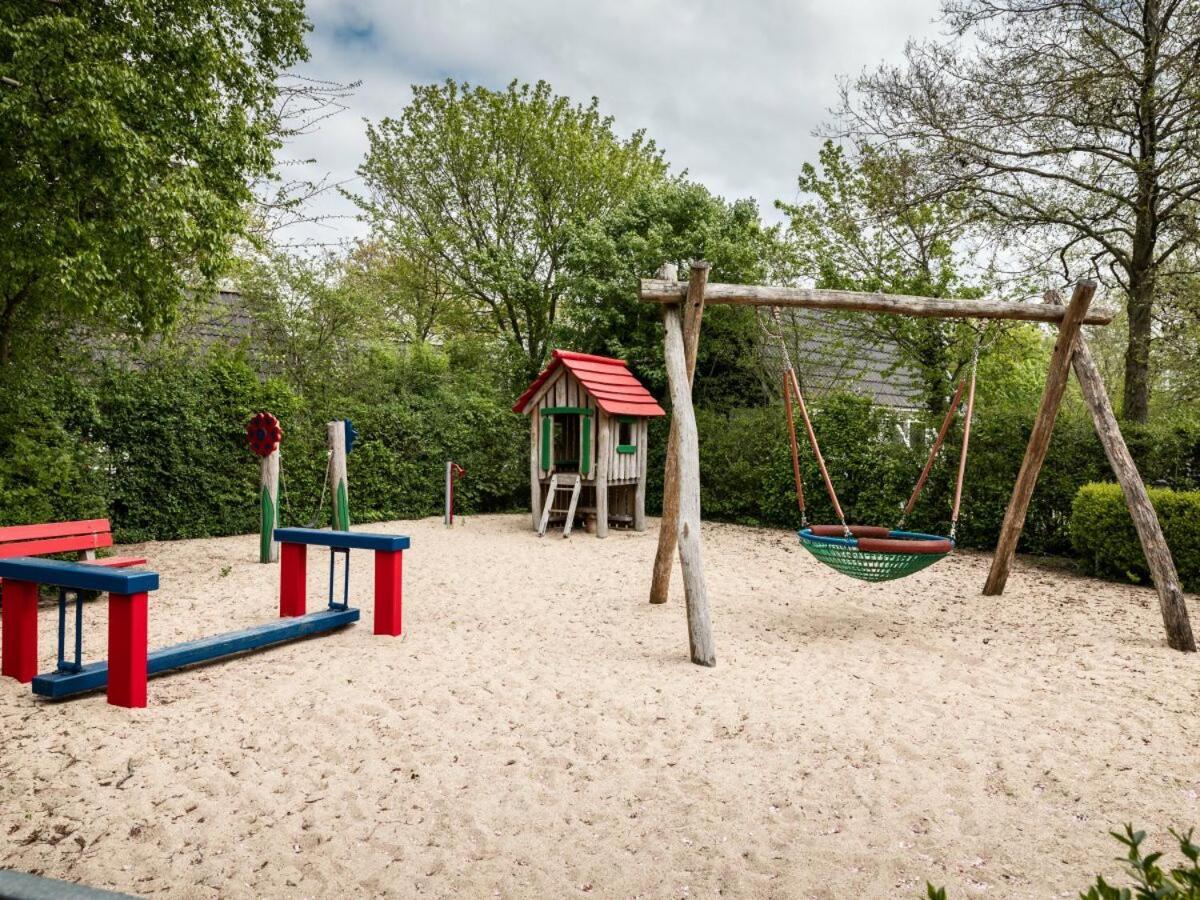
(116, 562)
(352, 540)
(52, 529)
(56, 545)
(78, 576)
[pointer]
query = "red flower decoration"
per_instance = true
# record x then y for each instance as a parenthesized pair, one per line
(263, 433)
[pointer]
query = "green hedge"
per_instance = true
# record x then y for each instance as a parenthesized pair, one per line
(747, 477)
(1103, 535)
(161, 449)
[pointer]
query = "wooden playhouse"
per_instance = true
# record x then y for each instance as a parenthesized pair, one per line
(589, 423)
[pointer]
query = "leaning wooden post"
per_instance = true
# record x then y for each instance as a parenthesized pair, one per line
(1154, 545)
(687, 461)
(1039, 438)
(664, 558)
(338, 486)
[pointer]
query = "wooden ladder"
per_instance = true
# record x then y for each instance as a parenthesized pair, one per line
(557, 483)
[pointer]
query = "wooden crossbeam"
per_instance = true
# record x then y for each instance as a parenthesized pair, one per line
(657, 290)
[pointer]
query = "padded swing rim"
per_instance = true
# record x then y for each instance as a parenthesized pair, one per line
(877, 539)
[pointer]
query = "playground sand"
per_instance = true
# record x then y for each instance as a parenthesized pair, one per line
(539, 732)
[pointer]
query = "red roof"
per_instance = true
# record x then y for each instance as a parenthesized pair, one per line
(608, 380)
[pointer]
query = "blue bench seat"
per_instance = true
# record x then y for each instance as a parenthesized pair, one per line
(342, 540)
(77, 576)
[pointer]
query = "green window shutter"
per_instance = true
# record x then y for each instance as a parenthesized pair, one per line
(585, 465)
(547, 437)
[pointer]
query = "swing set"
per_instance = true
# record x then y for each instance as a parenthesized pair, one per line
(872, 552)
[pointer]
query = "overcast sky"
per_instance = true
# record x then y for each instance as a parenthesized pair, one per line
(732, 91)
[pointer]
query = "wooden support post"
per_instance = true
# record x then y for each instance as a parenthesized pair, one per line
(127, 650)
(1039, 438)
(535, 469)
(389, 580)
(603, 458)
(268, 548)
(18, 630)
(687, 463)
(339, 488)
(1154, 545)
(664, 559)
(639, 497)
(293, 580)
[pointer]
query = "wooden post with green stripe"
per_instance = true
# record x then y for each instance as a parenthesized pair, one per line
(338, 486)
(268, 551)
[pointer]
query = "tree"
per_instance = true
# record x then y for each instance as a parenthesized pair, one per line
(490, 187)
(128, 135)
(860, 230)
(675, 220)
(1076, 122)
(418, 298)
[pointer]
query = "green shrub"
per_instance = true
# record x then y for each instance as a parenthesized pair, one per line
(1103, 535)
(1149, 880)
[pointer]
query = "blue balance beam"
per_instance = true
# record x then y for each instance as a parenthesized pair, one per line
(342, 540)
(94, 676)
(78, 576)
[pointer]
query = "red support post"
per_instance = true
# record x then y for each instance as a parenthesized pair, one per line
(127, 650)
(293, 579)
(18, 654)
(389, 572)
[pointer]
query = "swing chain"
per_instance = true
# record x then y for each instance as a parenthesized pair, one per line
(287, 504)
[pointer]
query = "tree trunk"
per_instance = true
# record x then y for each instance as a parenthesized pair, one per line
(8, 323)
(1135, 399)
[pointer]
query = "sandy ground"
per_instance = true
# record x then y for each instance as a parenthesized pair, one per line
(539, 732)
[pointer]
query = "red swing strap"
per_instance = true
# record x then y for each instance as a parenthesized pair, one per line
(791, 381)
(969, 384)
(962, 456)
(787, 402)
(933, 451)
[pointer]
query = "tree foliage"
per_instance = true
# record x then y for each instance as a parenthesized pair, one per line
(489, 188)
(1073, 122)
(129, 133)
(859, 229)
(675, 221)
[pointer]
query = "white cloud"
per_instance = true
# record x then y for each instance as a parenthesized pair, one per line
(732, 91)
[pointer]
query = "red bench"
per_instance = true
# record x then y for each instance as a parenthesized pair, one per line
(84, 537)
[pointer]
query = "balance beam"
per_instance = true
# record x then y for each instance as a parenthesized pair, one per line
(94, 676)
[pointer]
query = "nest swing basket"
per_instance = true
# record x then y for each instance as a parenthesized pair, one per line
(874, 554)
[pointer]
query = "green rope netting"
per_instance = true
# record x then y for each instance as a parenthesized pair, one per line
(869, 565)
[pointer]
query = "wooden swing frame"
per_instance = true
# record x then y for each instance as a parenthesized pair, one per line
(683, 309)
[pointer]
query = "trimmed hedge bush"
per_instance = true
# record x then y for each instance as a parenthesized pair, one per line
(1103, 535)
(161, 450)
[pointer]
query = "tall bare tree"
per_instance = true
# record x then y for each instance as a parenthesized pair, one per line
(1075, 122)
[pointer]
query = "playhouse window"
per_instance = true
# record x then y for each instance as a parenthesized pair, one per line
(625, 442)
